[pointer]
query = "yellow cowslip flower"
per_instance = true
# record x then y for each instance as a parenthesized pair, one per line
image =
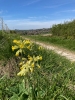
(14, 41)
(31, 69)
(38, 66)
(28, 47)
(17, 41)
(21, 45)
(27, 42)
(24, 41)
(19, 51)
(24, 59)
(26, 65)
(21, 63)
(40, 47)
(30, 58)
(40, 57)
(32, 65)
(14, 47)
(23, 72)
(23, 66)
(35, 58)
(28, 62)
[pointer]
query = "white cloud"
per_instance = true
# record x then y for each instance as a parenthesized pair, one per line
(38, 17)
(73, 10)
(34, 17)
(1, 11)
(28, 24)
(32, 2)
(54, 6)
(64, 11)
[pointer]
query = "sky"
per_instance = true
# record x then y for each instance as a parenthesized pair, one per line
(36, 14)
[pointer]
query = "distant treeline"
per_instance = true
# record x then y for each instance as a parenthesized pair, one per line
(67, 30)
(33, 31)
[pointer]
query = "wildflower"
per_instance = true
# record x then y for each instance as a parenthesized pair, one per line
(23, 58)
(32, 65)
(14, 47)
(23, 72)
(27, 42)
(18, 52)
(28, 47)
(38, 66)
(23, 66)
(30, 58)
(37, 58)
(14, 41)
(27, 64)
(21, 45)
(17, 41)
(40, 48)
(21, 63)
(31, 69)
(40, 58)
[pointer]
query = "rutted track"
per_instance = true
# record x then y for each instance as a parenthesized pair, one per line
(61, 51)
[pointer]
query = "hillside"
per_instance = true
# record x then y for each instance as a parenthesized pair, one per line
(66, 30)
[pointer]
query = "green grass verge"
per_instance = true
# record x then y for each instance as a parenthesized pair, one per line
(56, 79)
(6, 44)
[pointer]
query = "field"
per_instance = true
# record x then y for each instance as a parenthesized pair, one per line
(54, 80)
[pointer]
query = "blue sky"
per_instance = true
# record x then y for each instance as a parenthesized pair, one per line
(34, 14)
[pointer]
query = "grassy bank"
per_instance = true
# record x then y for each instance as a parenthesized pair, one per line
(5, 45)
(55, 80)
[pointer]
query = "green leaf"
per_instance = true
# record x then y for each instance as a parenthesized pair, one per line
(14, 97)
(64, 97)
(23, 96)
(22, 87)
(0, 94)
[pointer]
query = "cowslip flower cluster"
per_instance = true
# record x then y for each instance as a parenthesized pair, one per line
(21, 45)
(28, 63)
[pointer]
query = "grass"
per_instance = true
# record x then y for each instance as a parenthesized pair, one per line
(55, 80)
(5, 45)
(58, 41)
(57, 74)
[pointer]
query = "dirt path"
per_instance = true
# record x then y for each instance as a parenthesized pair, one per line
(61, 51)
